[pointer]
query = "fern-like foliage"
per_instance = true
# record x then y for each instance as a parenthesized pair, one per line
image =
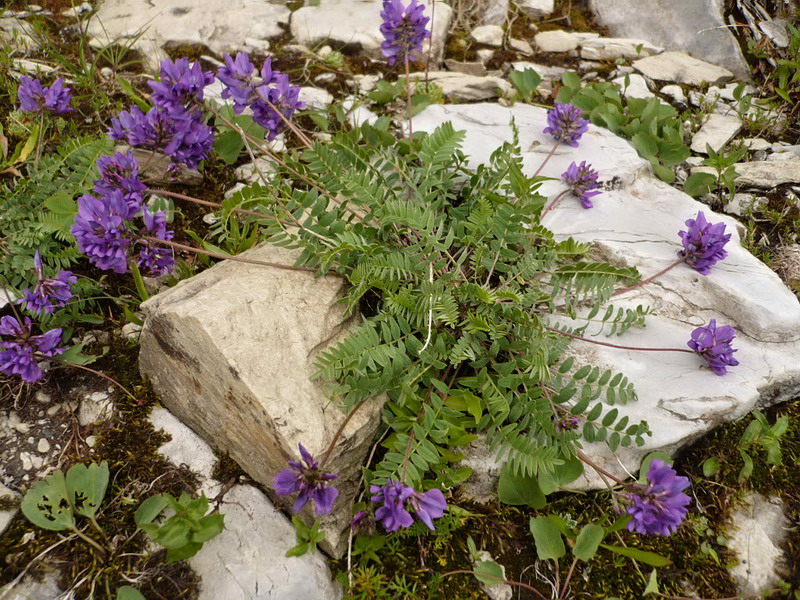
(461, 280)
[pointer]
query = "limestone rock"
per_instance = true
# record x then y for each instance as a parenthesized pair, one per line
(675, 92)
(696, 27)
(768, 174)
(156, 168)
(247, 560)
(636, 86)
(491, 35)
(220, 25)
(315, 97)
(520, 46)
(495, 591)
(7, 513)
(678, 67)
(758, 531)
(355, 23)
(230, 353)
(556, 41)
(635, 223)
(252, 171)
(31, 589)
(614, 48)
(457, 86)
(94, 408)
(496, 13)
(741, 204)
(476, 69)
(536, 8)
(481, 487)
(717, 131)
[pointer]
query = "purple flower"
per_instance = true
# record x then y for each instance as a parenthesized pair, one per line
(660, 506)
(363, 522)
(182, 136)
(153, 257)
(565, 124)
(567, 424)
(394, 498)
(120, 172)
(20, 350)
(703, 243)
(181, 85)
(582, 180)
(268, 97)
(49, 294)
(714, 345)
(404, 29)
(101, 232)
(35, 98)
(309, 482)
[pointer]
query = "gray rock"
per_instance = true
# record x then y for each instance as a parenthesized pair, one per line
(678, 395)
(636, 86)
(94, 408)
(18, 34)
(156, 167)
(253, 171)
(457, 86)
(6, 297)
(758, 531)
(219, 25)
(777, 31)
(536, 8)
(495, 591)
(675, 92)
(556, 41)
(520, 46)
(693, 26)
(768, 174)
(717, 131)
(756, 144)
(484, 54)
(476, 69)
(230, 353)
(741, 204)
(315, 97)
(679, 67)
(366, 83)
(496, 13)
(356, 23)
(7, 514)
(76, 12)
(481, 487)
(43, 446)
(31, 589)
(247, 561)
(491, 35)
(614, 48)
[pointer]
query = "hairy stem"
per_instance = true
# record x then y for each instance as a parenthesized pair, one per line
(548, 157)
(640, 348)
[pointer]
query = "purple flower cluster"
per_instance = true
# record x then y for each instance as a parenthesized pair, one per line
(565, 124)
(395, 498)
(175, 124)
(660, 506)
(703, 243)
(121, 173)
(50, 293)
(582, 180)
(714, 345)
(271, 97)
(106, 234)
(404, 29)
(20, 350)
(35, 98)
(308, 482)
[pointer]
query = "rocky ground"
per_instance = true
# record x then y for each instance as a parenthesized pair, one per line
(714, 66)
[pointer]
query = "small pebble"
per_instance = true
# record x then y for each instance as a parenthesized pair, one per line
(44, 446)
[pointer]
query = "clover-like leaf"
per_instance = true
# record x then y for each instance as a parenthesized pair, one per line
(47, 504)
(86, 487)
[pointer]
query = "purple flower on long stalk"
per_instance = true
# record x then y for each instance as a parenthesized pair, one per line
(582, 180)
(395, 499)
(660, 506)
(308, 482)
(181, 85)
(703, 243)
(155, 258)
(49, 293)
(565, 124)
(120, 172)
(714, 345)
(20, 351)
(404, 29)
(269, 96)
(33, 97)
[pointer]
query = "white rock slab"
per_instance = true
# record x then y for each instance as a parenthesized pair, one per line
(679, 67)
(230, 353)
(693, 26)
(491, 35)
(556, 41)
(717, 131)
(536, 8)
(768, 174)
(634, 87)
(356, 23)
(675, 92)
(758, 530)
(614, 48)
(220, 25)
(457, 86)
(635, 224)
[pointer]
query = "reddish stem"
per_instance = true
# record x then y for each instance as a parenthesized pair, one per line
(548, 157)
(640, 348)
(338, 434)
(550, 206)
(649, 279)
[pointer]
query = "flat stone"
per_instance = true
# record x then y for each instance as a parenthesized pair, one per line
(696, 27)
(95, 407)
(315, 97)
(476, 69)
(777, 31)
(457, 86)
(556, 41)
(253, 171)
(43, 446)
(716, 132)
(741, 204)
(75, 12)
(768, 174)
(356, 24)
(679, 67)
(520, 46)
(156, 168)
(247, 561)
(219, 25)
(756, 144)
(614, 48)
(7, 514)
(536, 8)
(635, 224)
(230, 353)
(546, 72)
(636, 86)
(485, 54)
(758, 530)
(675, 92)
(491, 35)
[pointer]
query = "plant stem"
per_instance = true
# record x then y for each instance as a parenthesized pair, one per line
(548, 157)
(89, 540)
(138, 281)
(40, 141)
(640, 348)
(408, 98)
(499, 580)
(569, 576)
(243, 211)
(584, 458)
(226, 256)
(649, 279)
(98, 373)
(550, 206)
(338, 434)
